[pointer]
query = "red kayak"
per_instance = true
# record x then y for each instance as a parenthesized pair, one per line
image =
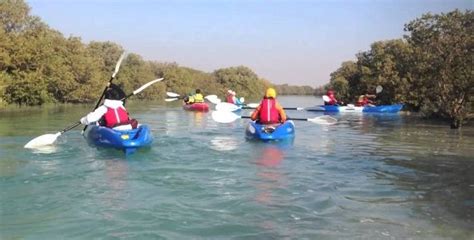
(199, 107)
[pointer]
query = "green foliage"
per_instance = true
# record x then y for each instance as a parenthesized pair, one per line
(242, 80)
(38, 65)
(286, 89)
(443, 52)
(431, 70)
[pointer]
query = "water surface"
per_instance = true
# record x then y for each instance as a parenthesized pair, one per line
(367, 177)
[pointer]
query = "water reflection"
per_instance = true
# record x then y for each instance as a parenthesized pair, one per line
(45, 149)
(223, 143)
(114, 198)
(444, 189)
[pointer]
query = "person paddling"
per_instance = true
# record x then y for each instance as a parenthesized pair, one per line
(332, 98)
(112, 113)
(269, 111)
(364, 100)
(231, 98)
(195, 98)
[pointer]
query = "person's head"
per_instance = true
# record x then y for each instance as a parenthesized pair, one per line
(330, 92)
(270, 93)
(198, 90)
(114, 92)
(230, 92)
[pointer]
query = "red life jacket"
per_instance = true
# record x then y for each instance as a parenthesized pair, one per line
(115, 117)
(362, 101)
(230, 98)
(268, 111)
(332, 100)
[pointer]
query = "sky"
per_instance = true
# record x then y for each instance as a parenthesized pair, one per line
(286, 41)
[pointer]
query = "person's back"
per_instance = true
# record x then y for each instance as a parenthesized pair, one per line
(112, 113)
(269, 111)
(230, 96)
(197, 97)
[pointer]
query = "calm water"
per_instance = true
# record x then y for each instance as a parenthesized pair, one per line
(368, 177)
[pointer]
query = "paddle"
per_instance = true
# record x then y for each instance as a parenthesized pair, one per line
(175, 96)
(117, 67)
(48, 139)
(378, 89)
(228, 117)
(230, 107)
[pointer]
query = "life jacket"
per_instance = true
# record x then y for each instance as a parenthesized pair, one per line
(332, 100)
(115, 117)
(362, 101)
(230, 99)
(268, 111)
(198, 98)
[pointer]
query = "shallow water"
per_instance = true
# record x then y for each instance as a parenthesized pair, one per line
(367, 177)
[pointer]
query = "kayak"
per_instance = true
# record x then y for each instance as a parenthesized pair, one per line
(395, 108)
(126, 140)
(200, 107)
(270, 132)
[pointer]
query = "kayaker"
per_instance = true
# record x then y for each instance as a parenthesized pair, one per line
(269, 111)
(332, 98)
(231, 98)
(112, 113)
(364, 100)
(196, 98)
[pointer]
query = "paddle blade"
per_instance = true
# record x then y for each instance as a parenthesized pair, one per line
(213, 99)
(146, 85)
(379, 89)
(226, 107)
(326, 98)
(170, 99)
(323, 120)
(117, 66)
(172, 94)
(252, 105)
(43, 140)
(224, 117)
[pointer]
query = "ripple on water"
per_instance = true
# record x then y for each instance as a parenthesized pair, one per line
(367, 177)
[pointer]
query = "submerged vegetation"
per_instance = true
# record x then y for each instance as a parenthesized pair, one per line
(430, 70)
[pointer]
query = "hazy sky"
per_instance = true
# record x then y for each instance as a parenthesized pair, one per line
(295, 42)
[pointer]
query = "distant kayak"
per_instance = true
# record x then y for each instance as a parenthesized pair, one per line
(126, 140)
(270, 132)
(200, 107)
(395, 108)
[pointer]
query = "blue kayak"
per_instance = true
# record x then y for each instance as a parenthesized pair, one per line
(126, 140)
(395, 108)
(270, 132)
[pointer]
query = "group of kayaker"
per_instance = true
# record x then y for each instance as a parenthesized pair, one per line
(362, 100)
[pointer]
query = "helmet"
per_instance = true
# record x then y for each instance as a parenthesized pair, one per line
(114, 92)
(270, 93)
(198, 90)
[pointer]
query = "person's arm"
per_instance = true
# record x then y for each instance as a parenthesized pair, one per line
(94, 116)
(254, 115)
(281, 111)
